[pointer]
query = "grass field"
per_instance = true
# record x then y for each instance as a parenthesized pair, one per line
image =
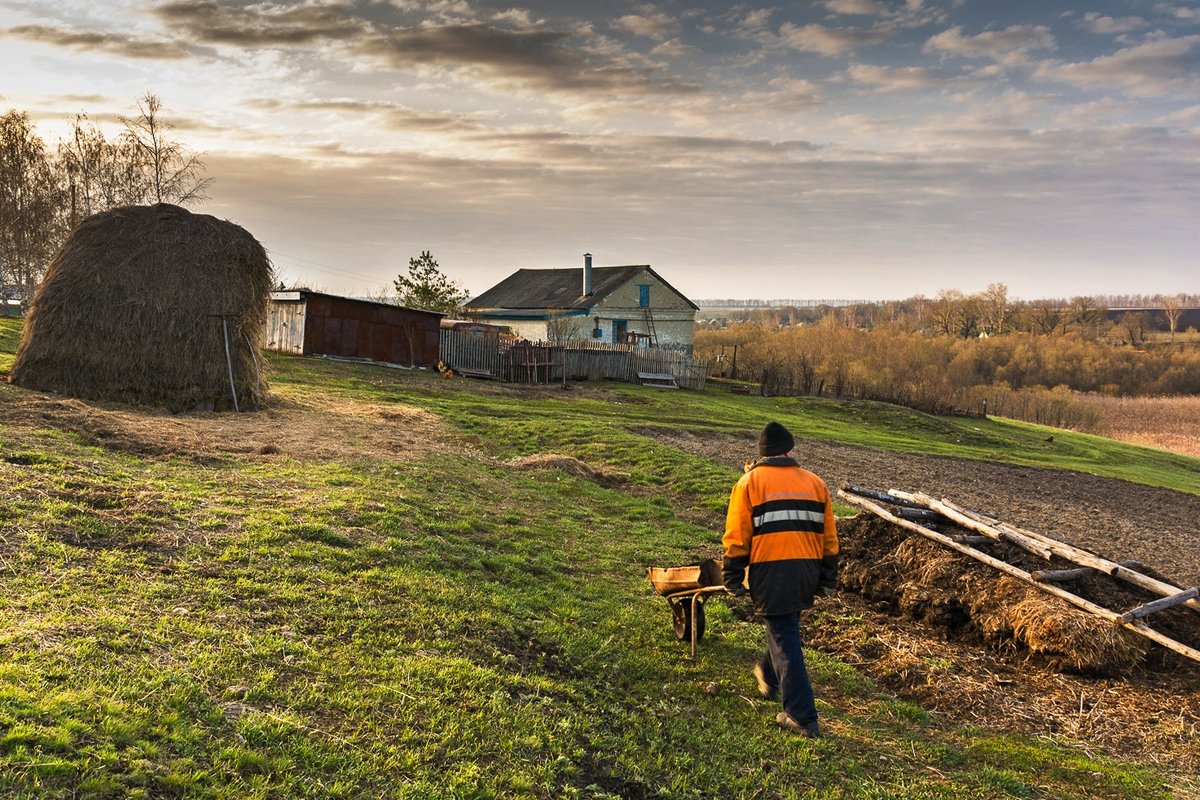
(428, 622)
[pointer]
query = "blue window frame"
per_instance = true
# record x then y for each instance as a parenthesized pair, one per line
(644, 295)
(619, 326)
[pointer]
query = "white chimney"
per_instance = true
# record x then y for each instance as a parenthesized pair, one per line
(587, 274)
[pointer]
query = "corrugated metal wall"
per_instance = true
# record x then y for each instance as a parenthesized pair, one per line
(340, 326)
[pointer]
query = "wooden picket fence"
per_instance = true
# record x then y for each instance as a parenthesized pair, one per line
(486, 355)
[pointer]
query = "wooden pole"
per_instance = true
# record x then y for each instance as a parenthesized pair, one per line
(1024, 542)
(1022, 575)
(1119, 570)
(1160, 604)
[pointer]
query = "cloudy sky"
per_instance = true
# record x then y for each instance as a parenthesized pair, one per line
(837, 149)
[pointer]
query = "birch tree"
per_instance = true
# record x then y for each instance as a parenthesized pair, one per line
(173, 173)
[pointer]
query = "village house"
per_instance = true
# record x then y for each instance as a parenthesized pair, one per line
(612, 305)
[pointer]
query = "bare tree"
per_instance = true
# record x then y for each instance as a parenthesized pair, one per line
(31, 209)
(994, 303)
(174, 174)
(1173, 309)
(101, 174)
(1134, 323)
(1042, 316)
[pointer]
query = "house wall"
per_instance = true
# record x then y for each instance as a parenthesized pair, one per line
(674, 319)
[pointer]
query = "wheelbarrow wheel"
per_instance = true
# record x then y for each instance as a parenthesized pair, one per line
(681, 615)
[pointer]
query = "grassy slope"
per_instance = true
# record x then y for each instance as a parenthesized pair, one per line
(439, 628)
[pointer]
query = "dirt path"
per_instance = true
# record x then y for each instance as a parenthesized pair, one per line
(1114, 518)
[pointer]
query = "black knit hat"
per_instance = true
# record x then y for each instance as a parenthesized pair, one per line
(775, 440)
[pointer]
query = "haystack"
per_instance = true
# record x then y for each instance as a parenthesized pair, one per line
(139, 306)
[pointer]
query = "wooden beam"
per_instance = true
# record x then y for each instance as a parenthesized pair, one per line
(1056, 575)
(1022, 575)
(1160, 604)
(1125, 570)
(991, 531)
(1061, 575)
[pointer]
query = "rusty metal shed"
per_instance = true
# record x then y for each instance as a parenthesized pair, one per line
(305, 322)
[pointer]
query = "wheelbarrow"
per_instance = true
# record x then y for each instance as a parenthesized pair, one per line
(686, 589)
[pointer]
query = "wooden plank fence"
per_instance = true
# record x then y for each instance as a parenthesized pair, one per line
(480, 354)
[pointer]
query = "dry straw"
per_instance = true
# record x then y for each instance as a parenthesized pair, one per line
(131, 310)
(943, 588)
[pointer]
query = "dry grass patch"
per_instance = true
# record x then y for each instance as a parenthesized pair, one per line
(1168, 423)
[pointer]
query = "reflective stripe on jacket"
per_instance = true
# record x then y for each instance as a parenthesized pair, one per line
(780, 525)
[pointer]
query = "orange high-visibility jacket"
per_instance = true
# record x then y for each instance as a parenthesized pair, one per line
(780, 525)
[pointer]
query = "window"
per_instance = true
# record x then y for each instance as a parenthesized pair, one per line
(644, 295)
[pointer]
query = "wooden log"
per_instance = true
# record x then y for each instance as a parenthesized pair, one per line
(1160, 604)
(1022, 575)
(972, 539)
(991, 531)
(920, 514)
(884, 496)
(1061, 575)
(1124, 570)
(1056, 575)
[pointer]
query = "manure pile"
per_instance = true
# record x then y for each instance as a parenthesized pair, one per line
(903, 573)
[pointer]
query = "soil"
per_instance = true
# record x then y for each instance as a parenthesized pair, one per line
(1113, 518)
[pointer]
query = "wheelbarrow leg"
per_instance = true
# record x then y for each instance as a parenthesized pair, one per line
(695, 626)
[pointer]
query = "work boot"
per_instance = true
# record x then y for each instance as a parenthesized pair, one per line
(811, 730)
(767, 689)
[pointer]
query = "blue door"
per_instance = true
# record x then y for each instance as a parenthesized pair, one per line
(618, 328)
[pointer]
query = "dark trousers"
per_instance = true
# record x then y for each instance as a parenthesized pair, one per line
(783, 666)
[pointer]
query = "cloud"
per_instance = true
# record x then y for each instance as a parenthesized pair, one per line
(1094, 22)
(892, 79)
(392, 116)
(527, 56)
(211, 23)
(858, 7)
(540, 60)
(1157, 67)
(653, 26)
(824, 40)
(1010, 46)
(1188, 13)
(1091, 114)
(108, 43)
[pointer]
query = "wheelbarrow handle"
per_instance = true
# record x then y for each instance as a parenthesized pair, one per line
(693, 592)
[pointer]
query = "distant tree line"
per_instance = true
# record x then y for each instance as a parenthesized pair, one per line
(956, 352)
(45, 191)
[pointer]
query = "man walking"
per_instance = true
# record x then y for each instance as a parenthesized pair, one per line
(780, 526)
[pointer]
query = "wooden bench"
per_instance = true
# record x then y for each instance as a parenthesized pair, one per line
(660, 380)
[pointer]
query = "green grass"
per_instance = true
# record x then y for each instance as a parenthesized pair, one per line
(439, 625)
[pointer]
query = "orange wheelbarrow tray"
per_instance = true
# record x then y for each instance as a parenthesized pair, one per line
(686, 589)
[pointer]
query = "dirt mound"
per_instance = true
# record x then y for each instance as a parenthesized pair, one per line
(306, 430)
(965, 599)
(567, 464)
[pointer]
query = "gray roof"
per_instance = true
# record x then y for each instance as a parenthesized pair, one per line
(559, 288)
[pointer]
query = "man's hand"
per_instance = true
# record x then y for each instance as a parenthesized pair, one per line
(825, 591)
(737, 590)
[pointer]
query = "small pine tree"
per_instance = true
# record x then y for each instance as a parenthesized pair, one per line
(427, 287)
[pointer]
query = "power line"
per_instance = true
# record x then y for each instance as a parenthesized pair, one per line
(327, 268)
